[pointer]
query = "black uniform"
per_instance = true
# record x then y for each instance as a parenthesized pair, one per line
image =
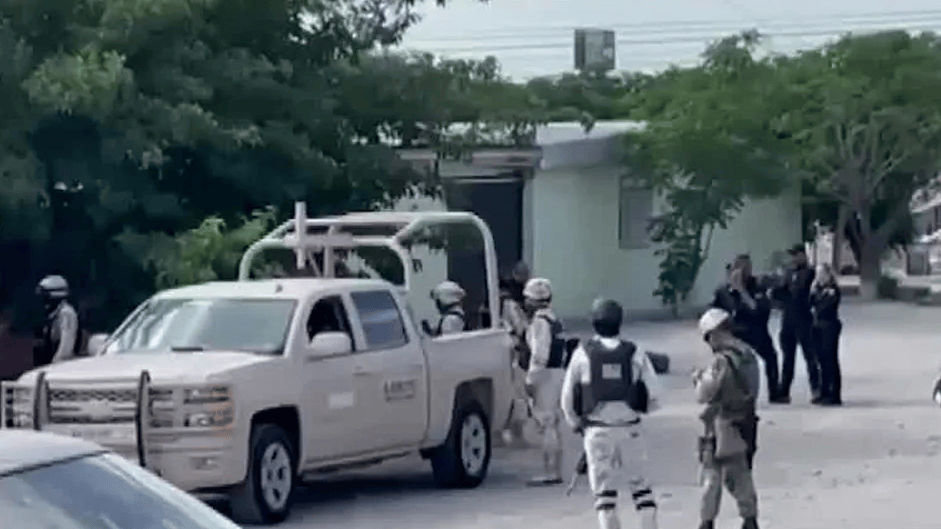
(797, 327)
(751, 325)
(826, 333)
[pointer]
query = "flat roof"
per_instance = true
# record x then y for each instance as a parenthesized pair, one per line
(22, 449)
(277, 288)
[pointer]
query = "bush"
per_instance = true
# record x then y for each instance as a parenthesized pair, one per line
(887, 287)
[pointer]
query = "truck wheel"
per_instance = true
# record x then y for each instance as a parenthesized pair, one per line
(265, 496)
(462, 461)
(936, 392)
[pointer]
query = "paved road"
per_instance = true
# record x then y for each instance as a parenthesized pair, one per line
(872, 464)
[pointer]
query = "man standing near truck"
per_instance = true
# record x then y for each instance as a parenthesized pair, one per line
(608, 385)
(544, 375)
(61, 332)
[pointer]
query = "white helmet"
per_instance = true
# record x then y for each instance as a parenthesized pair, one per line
(53, 287)
(448, 293)
(712, 319)
(538, 289)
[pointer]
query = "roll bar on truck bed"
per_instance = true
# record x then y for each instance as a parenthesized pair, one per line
(334, 233)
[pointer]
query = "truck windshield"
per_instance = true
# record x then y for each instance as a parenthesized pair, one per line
(254, 325)
(100, 492)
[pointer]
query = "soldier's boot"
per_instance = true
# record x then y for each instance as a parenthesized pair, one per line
(708, 524)
(608, 518)
(750, 523)
(552, 471)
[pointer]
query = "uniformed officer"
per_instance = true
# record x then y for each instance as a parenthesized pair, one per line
(825, 301)
(448, 297)
(727, 388)
(61, 331)
(608, 385)
(544, 374)
(750, 308)
(797, 324)
(515, 320)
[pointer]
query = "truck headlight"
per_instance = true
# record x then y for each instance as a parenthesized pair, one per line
(205, 395)
(208, 419)
(17, 406)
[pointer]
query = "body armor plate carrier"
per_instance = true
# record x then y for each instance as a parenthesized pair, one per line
(612, 378)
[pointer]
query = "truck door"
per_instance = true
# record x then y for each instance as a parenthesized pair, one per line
(330, 407)
(390, 374)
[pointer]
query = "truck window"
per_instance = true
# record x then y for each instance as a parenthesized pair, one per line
(382, 322)
(328, 315)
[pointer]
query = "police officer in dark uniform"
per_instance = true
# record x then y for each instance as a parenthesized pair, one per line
(748, 303)
(825, 296)
(61, 332)
(797, 323)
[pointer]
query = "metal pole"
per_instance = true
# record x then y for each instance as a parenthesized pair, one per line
(300, 231)
(142, 416)
(40, 395)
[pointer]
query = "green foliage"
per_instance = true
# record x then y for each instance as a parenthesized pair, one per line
(704, 150)
(125, 123)
(208, 252)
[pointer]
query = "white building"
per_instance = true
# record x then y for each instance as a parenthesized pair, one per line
(564, 208)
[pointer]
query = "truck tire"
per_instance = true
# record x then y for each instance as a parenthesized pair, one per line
(936, 392)
(462, 461)
(267, 493)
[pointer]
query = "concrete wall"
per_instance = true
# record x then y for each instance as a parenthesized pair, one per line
(573, 227)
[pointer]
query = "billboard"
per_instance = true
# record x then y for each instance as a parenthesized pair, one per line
(595, 49)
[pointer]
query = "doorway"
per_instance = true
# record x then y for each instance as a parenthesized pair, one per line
(499, 202)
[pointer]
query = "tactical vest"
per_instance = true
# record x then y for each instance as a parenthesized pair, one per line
(445, 314)
(611, 378)
(46, 351)
(557, 351)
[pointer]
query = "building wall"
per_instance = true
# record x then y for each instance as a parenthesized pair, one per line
(574, 240)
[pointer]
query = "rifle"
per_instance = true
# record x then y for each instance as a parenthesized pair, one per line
(581, 469)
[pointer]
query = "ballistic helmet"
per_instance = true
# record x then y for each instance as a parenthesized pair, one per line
(538, 289)
(712, 320)
(53, 287)
(448, 293)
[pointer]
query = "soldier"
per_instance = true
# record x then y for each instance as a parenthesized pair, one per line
(61, 331)
(728, 388)
(544, 376)
(609, 384)
(448, 297)
(514, 319)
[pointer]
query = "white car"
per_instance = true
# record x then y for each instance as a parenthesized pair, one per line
(51, 481)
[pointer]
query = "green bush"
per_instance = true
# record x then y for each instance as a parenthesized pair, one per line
(887, 287)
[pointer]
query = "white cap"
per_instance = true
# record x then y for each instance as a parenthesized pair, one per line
(538, 289)
(448, 293)
(712, 319)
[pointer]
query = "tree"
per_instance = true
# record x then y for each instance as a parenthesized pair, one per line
(705, 148)
(869, 131)
(144, 117)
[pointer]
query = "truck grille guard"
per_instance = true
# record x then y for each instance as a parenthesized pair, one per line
(141, 414)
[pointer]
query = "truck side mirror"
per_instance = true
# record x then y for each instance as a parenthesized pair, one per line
(330, 344)
(96, 344)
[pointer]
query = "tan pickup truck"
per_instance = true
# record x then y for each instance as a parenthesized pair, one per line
(247, 387)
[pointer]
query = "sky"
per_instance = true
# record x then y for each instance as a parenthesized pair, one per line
(535, 37)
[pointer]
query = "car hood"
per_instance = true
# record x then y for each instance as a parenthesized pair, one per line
(163, 366)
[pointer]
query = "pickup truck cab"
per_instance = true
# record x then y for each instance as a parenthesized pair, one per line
(247, 387)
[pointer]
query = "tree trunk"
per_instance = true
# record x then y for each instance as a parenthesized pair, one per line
(836, 239)
(870, 270)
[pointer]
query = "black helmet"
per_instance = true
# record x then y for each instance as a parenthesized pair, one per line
(606, 317)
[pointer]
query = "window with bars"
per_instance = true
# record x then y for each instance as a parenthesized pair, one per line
(635, 211)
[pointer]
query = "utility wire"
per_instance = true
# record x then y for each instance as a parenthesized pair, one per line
(926, 26)
(686, 26)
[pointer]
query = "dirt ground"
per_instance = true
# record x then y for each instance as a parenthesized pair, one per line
(872, 464)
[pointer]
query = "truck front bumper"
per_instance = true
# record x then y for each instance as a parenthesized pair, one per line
(190, 460)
